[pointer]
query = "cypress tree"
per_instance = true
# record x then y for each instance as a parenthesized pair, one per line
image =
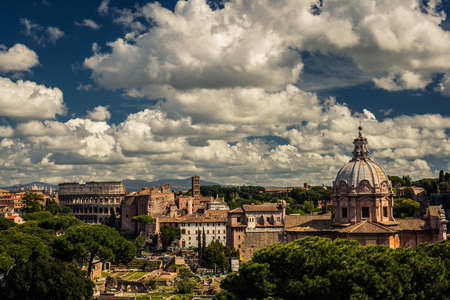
(199, 239)
(204, 241)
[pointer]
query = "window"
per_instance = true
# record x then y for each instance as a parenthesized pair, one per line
(239, 219)
(213, 231)
(365, 212)
(189, 238)
(278, 219)
(239, 237)
(385, 211)
(183, 231)
(189, 232)
(207, 231)
(344, 213)
(214, 237)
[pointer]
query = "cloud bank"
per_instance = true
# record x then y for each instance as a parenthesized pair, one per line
(229, 106)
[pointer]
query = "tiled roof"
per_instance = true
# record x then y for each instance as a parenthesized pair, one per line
(366, 227)
(413, 224)
(258, 208)
(236, 210)
(297, 220)
(193, 219)
(310, 223)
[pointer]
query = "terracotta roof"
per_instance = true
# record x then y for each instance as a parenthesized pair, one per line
(193, 219)
(366, 227)
(413, 224)
(262, 207)
(236, 210)
(298, 220)
(238, 225)
(311, 223)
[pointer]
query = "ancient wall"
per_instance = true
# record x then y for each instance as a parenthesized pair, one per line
(92, 202)
(254, 241)
(107, 187)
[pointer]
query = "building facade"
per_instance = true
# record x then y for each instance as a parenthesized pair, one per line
(92, 202)
(363, 209)
(252, 227)
(153, 201)
(214, 226)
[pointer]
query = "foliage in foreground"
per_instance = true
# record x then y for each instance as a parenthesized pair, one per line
(318, 268)
(47, 279)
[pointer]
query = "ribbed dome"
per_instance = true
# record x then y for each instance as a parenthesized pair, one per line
(358, 170)
(361, 167)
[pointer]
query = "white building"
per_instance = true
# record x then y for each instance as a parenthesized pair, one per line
(213, 223)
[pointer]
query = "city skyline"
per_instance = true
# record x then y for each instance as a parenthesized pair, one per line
(264, 93)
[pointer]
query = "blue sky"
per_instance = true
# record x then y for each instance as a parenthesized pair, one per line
(238, 92)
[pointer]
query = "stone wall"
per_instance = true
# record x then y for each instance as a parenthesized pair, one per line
(92, 202)
(254, 241)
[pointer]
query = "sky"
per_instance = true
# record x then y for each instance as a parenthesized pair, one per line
(239, 92)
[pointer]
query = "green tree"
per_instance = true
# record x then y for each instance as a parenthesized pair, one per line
(215, 256)
(37, 216)
(33, 202)
(54, 208)
(18, 247)
(6, 223)
(199, 239)
(168, 234)
(60, 223)
(203, 241)
(231, 252)
(405, 208)
(319, 268)
(185, 286)
(408, 193)
(87, 243)
(152, 283)
(139, 241)
(143, 220)
(46, 279)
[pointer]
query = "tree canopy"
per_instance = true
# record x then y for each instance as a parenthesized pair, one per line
(6, 223)
(215, 256)
(46, 279)
(88, 242)
(168, 234)
(318, 268)
(143, 220)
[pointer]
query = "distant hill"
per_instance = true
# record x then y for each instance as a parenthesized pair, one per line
(177, 184)
(38, 185)
(129, 184)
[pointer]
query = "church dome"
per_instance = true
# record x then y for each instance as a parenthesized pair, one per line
(361, 168)
(358, 170)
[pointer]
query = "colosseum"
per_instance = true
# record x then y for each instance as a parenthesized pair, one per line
(92, 202)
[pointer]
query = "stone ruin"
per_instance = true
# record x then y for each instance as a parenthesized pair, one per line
(125, 285)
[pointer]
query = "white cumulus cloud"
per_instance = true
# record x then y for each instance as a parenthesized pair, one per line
(17, 58)
(28, 100)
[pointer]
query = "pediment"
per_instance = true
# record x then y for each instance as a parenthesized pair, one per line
(364, 187)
